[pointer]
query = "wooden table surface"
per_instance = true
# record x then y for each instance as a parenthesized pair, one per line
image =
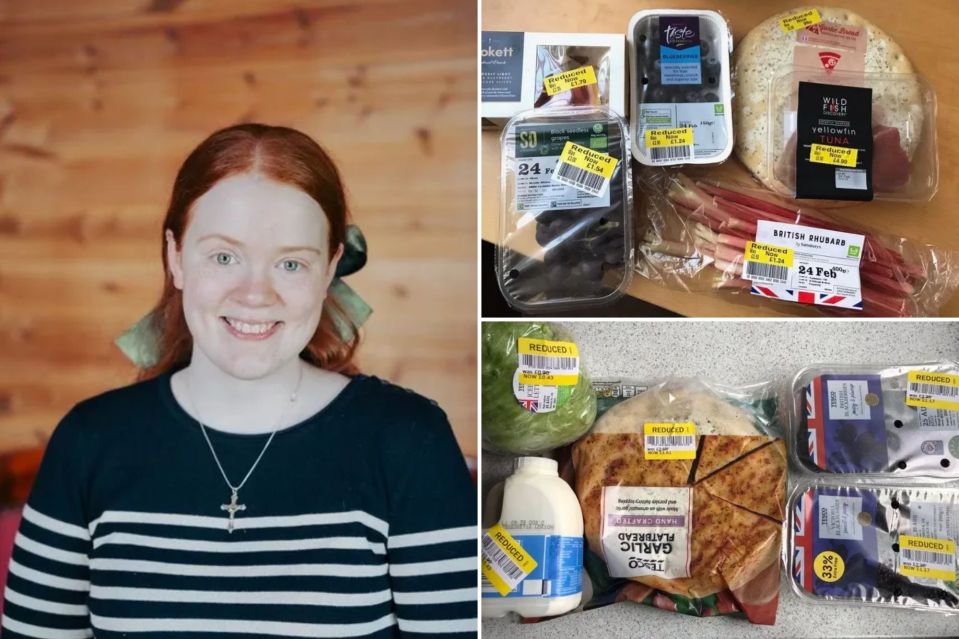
(935, 222)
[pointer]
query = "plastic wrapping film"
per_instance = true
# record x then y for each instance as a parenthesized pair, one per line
(682, 488)
(521, 418)
(564, 244)
(873, 421)
(680, 77)
(875, 544)
(905, 160)
(694, 232)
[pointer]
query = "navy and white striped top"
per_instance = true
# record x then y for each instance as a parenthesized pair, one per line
(360, 521)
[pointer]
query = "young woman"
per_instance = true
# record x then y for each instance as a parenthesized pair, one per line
(253, 483)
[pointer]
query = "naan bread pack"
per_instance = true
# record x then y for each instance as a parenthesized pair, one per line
(682, 489)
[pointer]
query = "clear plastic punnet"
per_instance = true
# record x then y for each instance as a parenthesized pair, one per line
(903, 159)
(565, 227)
(868, 421)
(681, 99)
(878, 545)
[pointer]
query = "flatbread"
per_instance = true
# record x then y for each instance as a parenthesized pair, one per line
(756, 482)
(767, 50)
(716, 452)
(723, 540)
(729, 544)
(681, 401)
(617, 460)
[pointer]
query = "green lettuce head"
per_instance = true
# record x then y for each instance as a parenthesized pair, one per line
(510, 427)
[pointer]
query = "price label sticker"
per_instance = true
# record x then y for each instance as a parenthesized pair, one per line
(769, 254)
(585, 169)
(800, 20)
(569, 80)
(933, 390)
(505, 563)
(669, 137)
(668, 440)
(927, 558)
(836, 155)
(547, 363)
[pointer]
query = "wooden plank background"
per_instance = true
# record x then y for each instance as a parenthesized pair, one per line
(100, 102)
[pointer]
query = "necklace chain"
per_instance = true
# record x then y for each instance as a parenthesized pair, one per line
(236, 489)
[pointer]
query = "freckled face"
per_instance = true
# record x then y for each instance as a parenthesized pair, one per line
(254, 268)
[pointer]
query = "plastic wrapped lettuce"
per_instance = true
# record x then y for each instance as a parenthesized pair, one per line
(536, 394)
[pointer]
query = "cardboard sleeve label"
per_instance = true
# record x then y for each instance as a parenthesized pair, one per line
(669, 137)
(504, 562)
(569, 80)
(800, 20)
(668, 440)
(933, 390)
(835, 155)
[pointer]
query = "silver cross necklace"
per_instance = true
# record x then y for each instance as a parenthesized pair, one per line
(233, 507)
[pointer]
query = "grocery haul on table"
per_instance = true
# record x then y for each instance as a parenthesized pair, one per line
(675, 492)
(607, 176)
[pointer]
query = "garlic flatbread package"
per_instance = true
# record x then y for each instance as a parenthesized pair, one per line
(682, 489)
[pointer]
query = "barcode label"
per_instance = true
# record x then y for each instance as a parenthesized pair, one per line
(670, 441)
(550, 363)
(581, 179)
(934, 389)
(928, 557)
(505, 563)
(495, 555)
(767, 272)
(670, 153)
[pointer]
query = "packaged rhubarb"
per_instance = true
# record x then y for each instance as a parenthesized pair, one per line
(875, 545)
(703, 234)
(683, 488)
(681, 109)
(829, 107)
(565, 226)
(876, 421)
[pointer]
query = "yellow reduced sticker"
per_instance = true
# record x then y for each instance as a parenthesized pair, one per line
(933, 390)
(837, 155)
(669, 137)
(927, 557)
(505, 562)
(829, 566)
(569, 80)
(669, 440)
(800, 20)
(769, 254)
(601, 164)
(547, 363)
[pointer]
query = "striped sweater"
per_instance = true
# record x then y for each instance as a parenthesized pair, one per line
(358, 522)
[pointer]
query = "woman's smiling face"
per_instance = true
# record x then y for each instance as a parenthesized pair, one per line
(254, 268)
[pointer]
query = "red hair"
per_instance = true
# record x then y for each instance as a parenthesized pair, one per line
(282, 154)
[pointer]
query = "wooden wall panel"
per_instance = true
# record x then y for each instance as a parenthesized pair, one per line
(100, 101)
